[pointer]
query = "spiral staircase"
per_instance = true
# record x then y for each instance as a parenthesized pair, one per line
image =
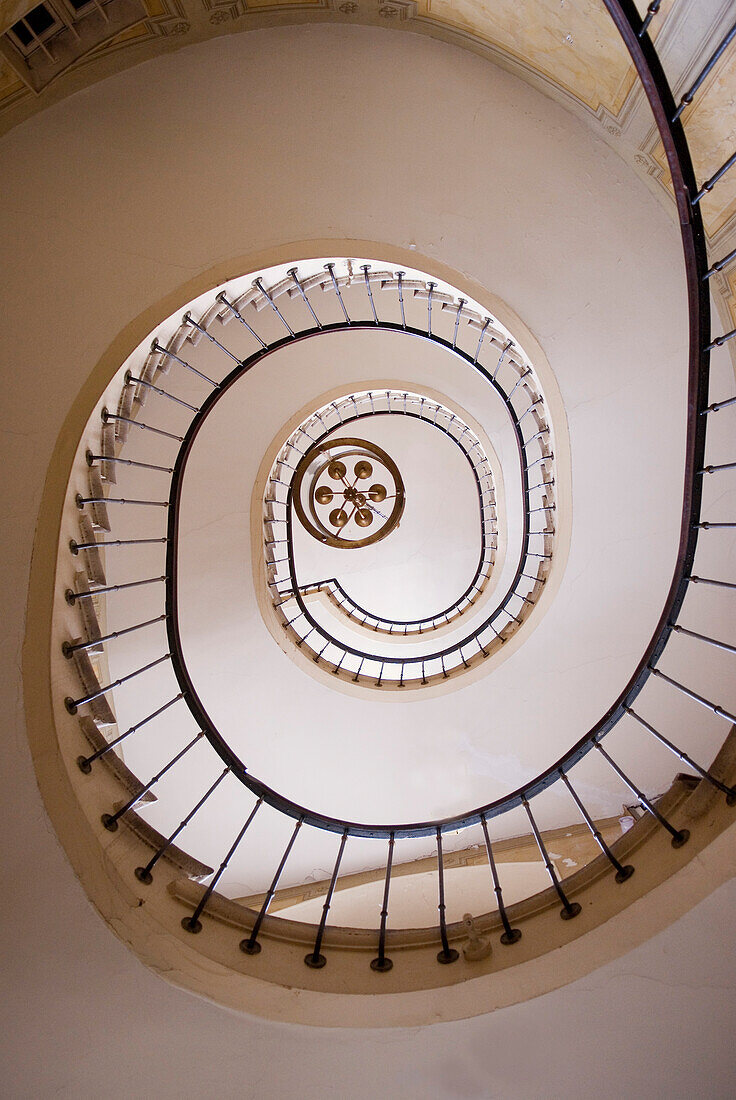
(260, 733)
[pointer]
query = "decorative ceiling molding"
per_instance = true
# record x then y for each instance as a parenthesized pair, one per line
(510, 32)
(573, 54)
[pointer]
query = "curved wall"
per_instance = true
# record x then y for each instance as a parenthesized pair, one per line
(240, 152)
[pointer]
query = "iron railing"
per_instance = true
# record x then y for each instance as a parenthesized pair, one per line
(324, 422)
(627, 706)
(362, 664)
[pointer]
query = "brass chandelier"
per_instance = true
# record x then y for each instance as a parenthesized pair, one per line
(334, 503)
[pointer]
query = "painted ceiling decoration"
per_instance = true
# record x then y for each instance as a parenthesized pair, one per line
(567, 48)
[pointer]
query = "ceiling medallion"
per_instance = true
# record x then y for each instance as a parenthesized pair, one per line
(348, 493)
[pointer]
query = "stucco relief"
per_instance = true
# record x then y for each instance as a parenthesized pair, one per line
(576, 44)
(572, 43)
(710, 123)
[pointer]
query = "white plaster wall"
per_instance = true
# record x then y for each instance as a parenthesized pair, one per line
(535, 209)
(237, 147)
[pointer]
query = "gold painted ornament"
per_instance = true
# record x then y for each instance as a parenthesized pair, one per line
(329, 474)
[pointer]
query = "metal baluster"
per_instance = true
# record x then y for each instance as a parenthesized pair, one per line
(447, 954)
(365, 268)
(292, 272)
(259, 283)
(510, 935)
(221, 298)
(718, 405)
(80, 501)
(717, 468)
(75, 546)
(193, 923)
(72, 597)
(679, 836)
(84, 763)
(721, 340)
(522, 376)
(331, 268)
(143, 874)
(381, 963)
(542, 431)
(526, 412)
(622, 873)
(688, 96)
(431, 287)
(651, 12)
(717, 584)
(480, 341)
(693, 695)
(156, 347)
(400, 276)
(569, 909)
(501, 358)
(730, 792)
(72, 705)
(710, 183)
(251, 946)
(537, 461)
(107, 416)
(460, 303)
(314, 959)
(68, 649)
(92, 458)
(187, 319)
(719, 265)
(705, 638)
(110, 821)
(129, 378)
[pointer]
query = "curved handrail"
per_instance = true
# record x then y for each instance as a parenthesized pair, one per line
(672, 135)
(524, 553)
(456, 652)
(330, 584)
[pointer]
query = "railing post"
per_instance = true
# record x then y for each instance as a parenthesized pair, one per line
(510, 935)
(251, 946)
(381, 963)
(314, 959)
(447, 954)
